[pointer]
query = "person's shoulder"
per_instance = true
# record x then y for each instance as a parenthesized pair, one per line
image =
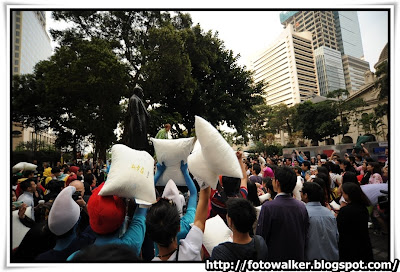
(221, 252)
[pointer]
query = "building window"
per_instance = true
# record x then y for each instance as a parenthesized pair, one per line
(17, 40)
(18, 12)
(17, 55)
(18, 19)
(18, 26)
(16, 62)
(17, 48)
(16, 69)
(17, 33)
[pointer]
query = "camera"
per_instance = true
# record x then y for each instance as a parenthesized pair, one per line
(76, 195)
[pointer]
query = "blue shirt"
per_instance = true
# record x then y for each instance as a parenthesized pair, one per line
(323, 235)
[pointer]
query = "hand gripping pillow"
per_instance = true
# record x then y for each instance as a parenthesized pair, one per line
(24, 166)
(172, 152)
(218, 154)
(215, 232)
(200, 169)
(18, 229)
(131, 175)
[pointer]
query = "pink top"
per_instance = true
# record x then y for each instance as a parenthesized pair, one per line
(267, 172)
(375, 178)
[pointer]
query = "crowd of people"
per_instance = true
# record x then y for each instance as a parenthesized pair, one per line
(295, 208)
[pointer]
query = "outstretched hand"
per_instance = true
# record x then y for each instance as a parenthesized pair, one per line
(161, 167)
(184, 167)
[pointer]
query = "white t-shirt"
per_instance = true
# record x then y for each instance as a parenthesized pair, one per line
(190, 247)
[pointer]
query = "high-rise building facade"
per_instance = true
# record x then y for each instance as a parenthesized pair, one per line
(354, 70)
(30, 41)
(287, 68)
(348, 33)
(338, 30)
(329, 70)
(30, 44)
(320, 23)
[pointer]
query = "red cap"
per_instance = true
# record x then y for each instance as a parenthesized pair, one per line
(74, 169)
(106, 213)
(71, 179)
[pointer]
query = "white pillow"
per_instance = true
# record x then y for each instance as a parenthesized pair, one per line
(264, 197)
(172, 192)
(297, 189)
(219, 155)
(215, 233)
(131, 175)
(172, 152)
(200, 169)
(23, 166)
(18, 229)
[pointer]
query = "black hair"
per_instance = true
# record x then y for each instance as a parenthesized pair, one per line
(324, 156)
(327, 180)
(106, 253)
(350, 177)
(252, 194)
(287, 178)
(231, 185)
(163, 222)
(348, 167)
(352, 159)
(322, 169)
(55, 170)
(355, 194)
(313, 190)
(88, 178)
(242, 213)
(24, 185)
(268, 185)
(27, 173)
(321, 183)
(335, 168)
(376, 167)
(257, 168)
(298, 169)
(307, 164)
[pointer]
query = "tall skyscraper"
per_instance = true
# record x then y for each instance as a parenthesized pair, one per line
(287, 67)
(348, 33)
(329, 70)
(338, 30)
(30, 41)
(30, 44)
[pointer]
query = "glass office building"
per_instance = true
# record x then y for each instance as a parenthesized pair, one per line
(348, 33)
(30, 41)
(329, 70)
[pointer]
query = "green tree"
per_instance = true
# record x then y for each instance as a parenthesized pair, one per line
(317, 121)
(77, 93)
(347, 109)
(184, 72)
(258, 122)
(382, 83)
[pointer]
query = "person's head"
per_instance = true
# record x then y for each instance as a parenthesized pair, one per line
(55, 187)
(311, 192)
(305, 166)
(231, 185)
(79, 172)
(240, 215)
(267, 183)
(353, 194)
(297, 170)
(28, 185)
(28, 174)
(106, 253)
(13, 196)
(348, 167)
(163, 222)
(252, 194)
(79, 186)
(322, 184)
(322, 169)
(167, 127)
(350, 177)
(256, 169)
(336, 169)
(296, 163)
(56, 171)
(358, 158)
(351, 159)
(89, 179)
(324, 156)
(374, 167)
(285, 180)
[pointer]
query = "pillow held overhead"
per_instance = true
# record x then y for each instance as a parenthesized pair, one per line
(172, 152)
(215, 232)
(200, 169)
(23, 166)
(131, 175)
(219, 155)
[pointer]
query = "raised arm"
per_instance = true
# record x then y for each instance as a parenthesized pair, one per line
(190, 184)
(159, 172)
(202, 208)
(243, 182)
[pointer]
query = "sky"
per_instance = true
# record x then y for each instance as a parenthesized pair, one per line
(248, 32)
